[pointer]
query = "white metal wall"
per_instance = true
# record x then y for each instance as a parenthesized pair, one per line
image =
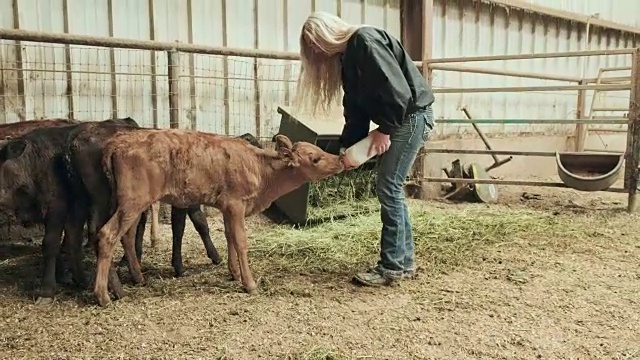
(460, 29)
(621, 11)
(202, 85)
(464, 29)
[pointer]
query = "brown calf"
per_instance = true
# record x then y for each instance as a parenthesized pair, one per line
(183, 168)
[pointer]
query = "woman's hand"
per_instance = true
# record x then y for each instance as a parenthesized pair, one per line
(380, 143)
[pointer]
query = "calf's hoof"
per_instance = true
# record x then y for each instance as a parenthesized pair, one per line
(138, 280)
(41, 300)
(215, 259)
(251, 289)
(116, 290)
(103, 299)
(179, 272)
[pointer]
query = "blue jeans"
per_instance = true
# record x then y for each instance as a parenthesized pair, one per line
(396, 240)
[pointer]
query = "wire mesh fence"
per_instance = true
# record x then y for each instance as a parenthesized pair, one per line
(225, 95)
(162, 89)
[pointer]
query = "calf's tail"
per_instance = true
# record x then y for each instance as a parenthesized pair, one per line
(108, 159)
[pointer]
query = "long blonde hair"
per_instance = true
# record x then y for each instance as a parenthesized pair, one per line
(322, 40)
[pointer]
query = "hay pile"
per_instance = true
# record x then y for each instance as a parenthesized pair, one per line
(444, 238)
(346, 194)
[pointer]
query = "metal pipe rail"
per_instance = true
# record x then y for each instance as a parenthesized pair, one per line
(627, 51)
(607, 87)
(510, 73)
(510, 182)
(122, 43)
(113, 42)
(501, 152)
(612, 121)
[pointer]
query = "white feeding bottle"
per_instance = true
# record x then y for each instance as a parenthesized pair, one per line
(358, 152)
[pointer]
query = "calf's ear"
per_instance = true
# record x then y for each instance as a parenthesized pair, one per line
(11, 149)
(282, 141)
(285, 149)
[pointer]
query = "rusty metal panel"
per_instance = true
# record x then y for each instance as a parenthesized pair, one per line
(462, 29)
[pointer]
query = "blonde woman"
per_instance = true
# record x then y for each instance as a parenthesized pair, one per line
(383, 85)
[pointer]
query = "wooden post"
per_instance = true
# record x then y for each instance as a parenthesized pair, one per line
(225, 72)
(256, 70)
(154, 70)
(427, 41)
(173, 62)
(153, 236)
(67, 60)
(633, 135)
(112, 64)
(287, 63)
(193, 108)
(581, 129)
(22, 114)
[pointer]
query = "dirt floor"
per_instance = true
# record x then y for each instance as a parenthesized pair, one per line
(538, 296)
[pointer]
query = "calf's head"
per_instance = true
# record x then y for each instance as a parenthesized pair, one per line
(310, 161)
(15, 180)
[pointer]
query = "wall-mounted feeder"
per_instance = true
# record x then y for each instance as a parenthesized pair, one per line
(589, 171)
(324, 132)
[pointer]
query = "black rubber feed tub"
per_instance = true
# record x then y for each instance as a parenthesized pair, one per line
(589, 172)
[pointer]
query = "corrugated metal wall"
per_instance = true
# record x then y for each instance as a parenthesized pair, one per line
(141, 89)
(620, 11)
(461, 28)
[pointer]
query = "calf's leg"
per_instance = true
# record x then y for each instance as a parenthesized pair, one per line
(130, 251)
(199, 220)
(113, 281)
(139, 238)
(92, 229)
(50, 250)
(62, 266)
(121, 221)
(74, 229)
(178, 218)
(155, 223)
(232, 256)
(234, 218)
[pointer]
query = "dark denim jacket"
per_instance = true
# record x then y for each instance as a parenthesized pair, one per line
(381, 84)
